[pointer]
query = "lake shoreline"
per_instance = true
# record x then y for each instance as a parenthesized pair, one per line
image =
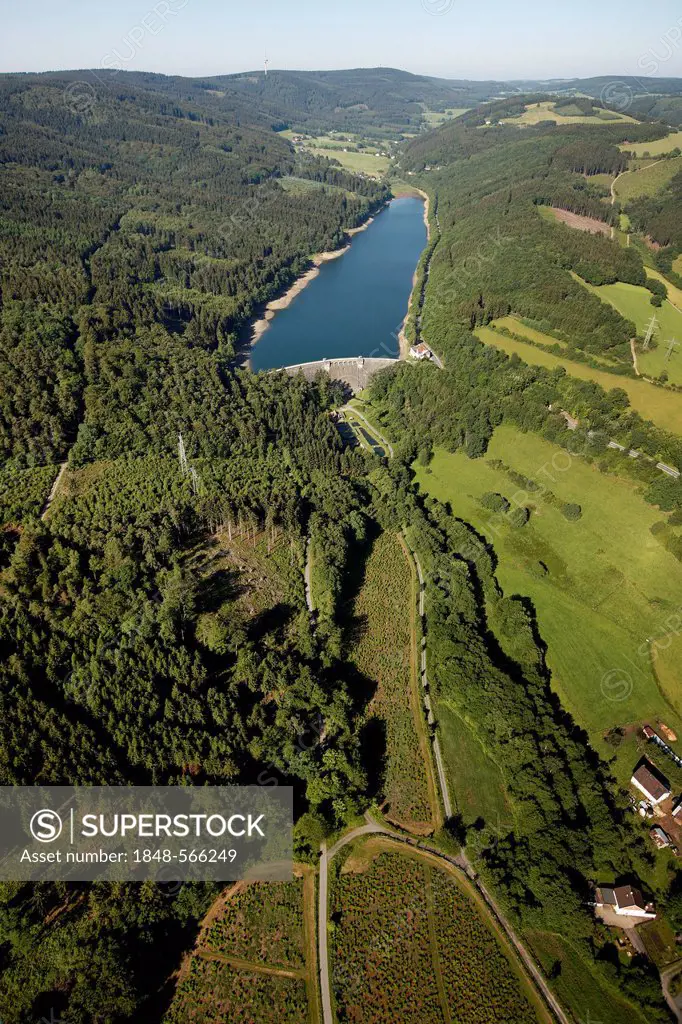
(403, 341)
(260, 326)
(257, 358)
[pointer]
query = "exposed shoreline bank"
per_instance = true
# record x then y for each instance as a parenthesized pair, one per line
(403, 340)
(260, 326)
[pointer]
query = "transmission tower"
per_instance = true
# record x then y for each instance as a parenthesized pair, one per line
(651, 327)
(672, 345)
(182, 455)
(196, 480)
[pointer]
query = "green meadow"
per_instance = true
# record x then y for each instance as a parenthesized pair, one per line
(366, 163)
(478, 788)
(657, 148)
(602, 586)
(634, 303)
(647, 180)
(653, 403)
(546, 111)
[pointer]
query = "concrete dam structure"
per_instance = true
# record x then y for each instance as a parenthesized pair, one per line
(356, 373)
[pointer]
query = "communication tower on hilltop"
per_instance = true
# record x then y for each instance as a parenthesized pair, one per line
(265, 65)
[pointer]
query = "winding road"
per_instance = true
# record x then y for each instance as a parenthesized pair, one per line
(462, 863)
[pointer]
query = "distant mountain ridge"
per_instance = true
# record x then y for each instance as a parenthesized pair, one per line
(378, 102)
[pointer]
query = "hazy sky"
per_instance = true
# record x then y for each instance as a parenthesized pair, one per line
(452, 38)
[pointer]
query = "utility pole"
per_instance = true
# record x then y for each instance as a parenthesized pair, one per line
(651, 327)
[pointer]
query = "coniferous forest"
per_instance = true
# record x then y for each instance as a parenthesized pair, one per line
(144, 223)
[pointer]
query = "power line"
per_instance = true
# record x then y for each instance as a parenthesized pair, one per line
(651, 327)
(182, 455)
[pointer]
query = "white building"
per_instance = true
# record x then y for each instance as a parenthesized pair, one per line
(626, 901)
(655, 788)
(420, 351)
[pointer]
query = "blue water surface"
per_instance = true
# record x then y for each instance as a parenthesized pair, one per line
(356, 304)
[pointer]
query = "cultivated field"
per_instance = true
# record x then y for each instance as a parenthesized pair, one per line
(546, 111)
(601, 586)
(381, 645)
(262, 923)
(662, 407)
(410, 944)
(216, 991)
(657, 148)
(647, 180)
(255, 959)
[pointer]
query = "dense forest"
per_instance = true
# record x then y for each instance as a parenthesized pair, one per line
(143, 222)
(138, 234)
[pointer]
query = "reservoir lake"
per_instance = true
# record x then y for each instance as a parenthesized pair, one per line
(357, 303)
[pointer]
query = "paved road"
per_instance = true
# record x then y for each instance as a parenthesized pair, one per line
(438, 758)
(323, 910)
(463, 864)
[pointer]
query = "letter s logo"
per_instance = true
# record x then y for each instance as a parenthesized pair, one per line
(46, 826)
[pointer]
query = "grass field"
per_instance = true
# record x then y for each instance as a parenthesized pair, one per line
(476, 784)
(579, 986)
(659, 939)
(516, 326)
(649, 180)
(657, 148)
(662, 407)
(634, 304)
(410, 944)
(546, 112)
(601, 585)
(435, 118)
(380, 645)
(366, 163)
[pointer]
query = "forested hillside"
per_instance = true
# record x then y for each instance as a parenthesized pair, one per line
(153, 625)
(499, 251)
